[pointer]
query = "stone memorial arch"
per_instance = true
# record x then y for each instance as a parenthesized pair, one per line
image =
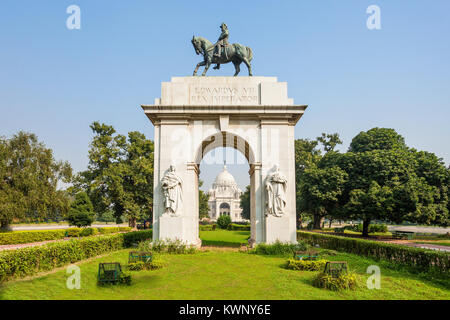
(198, 114)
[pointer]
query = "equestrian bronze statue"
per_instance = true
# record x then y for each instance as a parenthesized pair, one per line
(222, 52)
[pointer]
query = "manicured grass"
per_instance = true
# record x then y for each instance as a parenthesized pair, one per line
(224, 274)
(224, 238)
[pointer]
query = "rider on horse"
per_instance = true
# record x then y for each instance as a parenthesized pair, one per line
(219, 47)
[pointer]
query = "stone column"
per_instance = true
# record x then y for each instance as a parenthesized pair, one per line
(278, 150)
(256, 205)
(156, 180)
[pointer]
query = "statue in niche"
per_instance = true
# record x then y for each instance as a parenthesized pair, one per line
(172, 187)
(276, 185)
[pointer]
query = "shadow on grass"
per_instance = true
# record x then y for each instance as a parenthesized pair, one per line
(220, 243)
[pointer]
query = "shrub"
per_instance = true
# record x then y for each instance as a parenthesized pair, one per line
(240, 227)
(80, 219)
(136, 266)
(17, 237)
(107, 230)
(81, 212)
(157, 263)
(125, 278)
(167, 246)
(208, 227)
(308, 265)
(73, 232)
(381, 228)
(28, 261)
(88, 232)
(420, 259)
(279, 248)
(223, 221)
(342, 282)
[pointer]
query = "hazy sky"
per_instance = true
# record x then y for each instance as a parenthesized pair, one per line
(55, 81)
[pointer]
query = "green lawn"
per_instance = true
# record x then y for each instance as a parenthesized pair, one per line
(224, 238)
(223, 274)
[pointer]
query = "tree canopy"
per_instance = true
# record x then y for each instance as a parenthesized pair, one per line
(245, 203)
(203, 198)
(29, 177)
(120, 174)
(379, 178)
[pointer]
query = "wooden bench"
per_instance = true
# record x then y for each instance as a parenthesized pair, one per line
(300, 255)
(336, 268)
(403, 234)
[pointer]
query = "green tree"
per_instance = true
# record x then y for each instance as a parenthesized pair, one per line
(245, 203)
(29, 177)
(81, 212)
(224, 221)
(120, 174)
(329, 141)
(377, 139)
(389, 181)
(320, 189)
(308, 155)
(203, 198)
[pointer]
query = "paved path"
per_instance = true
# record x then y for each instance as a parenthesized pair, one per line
(61, 226)
(32, 244)
(418, 229)
(420, 245)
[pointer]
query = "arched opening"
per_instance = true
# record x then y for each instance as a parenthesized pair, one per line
(224, 161)
(224, 209)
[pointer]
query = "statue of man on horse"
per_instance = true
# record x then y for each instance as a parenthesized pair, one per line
(221, 43)
(222, 52)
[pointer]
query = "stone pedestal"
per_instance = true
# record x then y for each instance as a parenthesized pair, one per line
(197, 114)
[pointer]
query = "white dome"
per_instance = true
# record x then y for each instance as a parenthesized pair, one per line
(224, 179)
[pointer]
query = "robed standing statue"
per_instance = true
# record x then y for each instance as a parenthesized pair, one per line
(276, 185)
(172, 187)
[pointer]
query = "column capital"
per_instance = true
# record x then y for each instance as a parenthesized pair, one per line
(193, 166)
(253, 167)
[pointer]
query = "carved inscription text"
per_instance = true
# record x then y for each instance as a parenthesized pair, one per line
(223, 95)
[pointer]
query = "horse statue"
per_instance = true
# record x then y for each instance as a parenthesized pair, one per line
(235, 53)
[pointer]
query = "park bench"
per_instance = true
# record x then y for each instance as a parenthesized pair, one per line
(109, 272)
(300, 255)
(403, 235)
(336, 268)
(135, 256)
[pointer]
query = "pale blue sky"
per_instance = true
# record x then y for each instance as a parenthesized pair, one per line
(55, 82)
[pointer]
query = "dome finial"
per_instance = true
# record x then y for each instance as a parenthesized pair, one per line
(224, 164)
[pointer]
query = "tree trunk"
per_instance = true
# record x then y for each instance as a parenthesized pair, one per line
(4, 226)
(331, 220)
(132, 223)
(317, 221)
(366, 223)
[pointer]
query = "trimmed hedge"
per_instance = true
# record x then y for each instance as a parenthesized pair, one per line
(18, 237)
(240, 227)
(307, 265)
(279, 248)
(208, 227)
(28, 261)
(421, 259)
(343, 282)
